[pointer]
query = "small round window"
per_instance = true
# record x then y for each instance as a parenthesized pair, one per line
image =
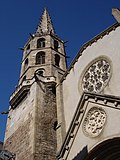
(96, 76)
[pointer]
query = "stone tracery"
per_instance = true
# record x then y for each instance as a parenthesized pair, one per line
(94, 122)
(96, 76)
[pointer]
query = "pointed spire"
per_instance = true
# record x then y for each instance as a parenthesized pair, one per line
(45, 25)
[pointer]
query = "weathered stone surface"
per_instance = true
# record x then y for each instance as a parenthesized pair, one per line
(34, 136)
(19, 141)
(45, 137)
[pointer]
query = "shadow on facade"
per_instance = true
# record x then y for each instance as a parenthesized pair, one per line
(82, 154)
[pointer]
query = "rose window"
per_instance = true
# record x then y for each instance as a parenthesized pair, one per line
(94, 122)
(96, 76)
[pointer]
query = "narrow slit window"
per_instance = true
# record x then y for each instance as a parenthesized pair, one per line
(28, 47)
(56, 45)
(57, 60)
(24, 78)
(26, 63)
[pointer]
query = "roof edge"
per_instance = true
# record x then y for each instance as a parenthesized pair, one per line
(87, 44)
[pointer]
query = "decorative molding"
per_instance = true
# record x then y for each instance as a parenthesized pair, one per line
(97, 75)
(112, 102)
(94, 122)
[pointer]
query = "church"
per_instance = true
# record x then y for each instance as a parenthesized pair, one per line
(60, 113)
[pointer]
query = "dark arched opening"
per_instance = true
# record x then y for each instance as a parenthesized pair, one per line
(107, 150)
(56, 44)
(40, 58)
(57, 60)
(40, 72)
(40, 43)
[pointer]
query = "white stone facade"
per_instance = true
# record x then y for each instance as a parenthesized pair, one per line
(107, 48)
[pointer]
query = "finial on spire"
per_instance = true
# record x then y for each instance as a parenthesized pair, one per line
(116, 14)
(45, 25)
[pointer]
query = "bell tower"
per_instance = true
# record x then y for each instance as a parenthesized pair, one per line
(30, 132)
(44, 52)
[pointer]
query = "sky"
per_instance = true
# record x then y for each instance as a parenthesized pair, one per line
(75, 21)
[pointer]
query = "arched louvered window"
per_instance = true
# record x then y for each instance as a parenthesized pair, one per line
(40, 58)
(57, 60)
(40, 43)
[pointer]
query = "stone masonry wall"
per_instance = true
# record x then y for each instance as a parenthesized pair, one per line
(30, 132)
(45, 134)
(19, 142)
(19, 136)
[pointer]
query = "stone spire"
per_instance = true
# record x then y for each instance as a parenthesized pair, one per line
(45, 25)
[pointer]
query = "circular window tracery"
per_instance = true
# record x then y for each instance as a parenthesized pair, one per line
(97, 76)
(94, 122)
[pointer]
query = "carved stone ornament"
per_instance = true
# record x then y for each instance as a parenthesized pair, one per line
(94, 122)
(97, 76)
